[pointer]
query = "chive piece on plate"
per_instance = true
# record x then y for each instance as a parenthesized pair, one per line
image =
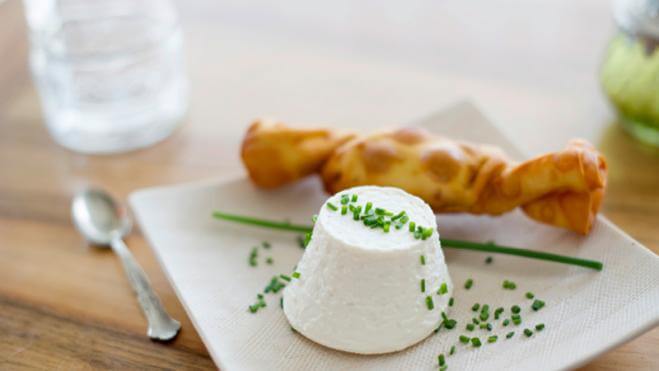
(269, 260)
(510, 334)
(476, 342)
(489, 260)
(528, 332)
(450, 353)
(464, 339)
(529, 295)
(422, 259)
(450, 302)
(443, 289)
(331, 206)
(266, 244)
(475, 307)
(429, 303)
(441, 360)
(506, 322)
(492, 339)
(285, 277)
(423, 285)
(540, 327)
(537, 305)
(295, 275)
(470, 327)
(469, 283)
(354, 198)
(515, 309)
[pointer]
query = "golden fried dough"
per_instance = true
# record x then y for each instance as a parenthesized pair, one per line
(564, 188)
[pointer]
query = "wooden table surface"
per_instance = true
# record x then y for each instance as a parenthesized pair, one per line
(530, 65)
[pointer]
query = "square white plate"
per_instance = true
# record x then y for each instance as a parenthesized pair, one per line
(587, 312)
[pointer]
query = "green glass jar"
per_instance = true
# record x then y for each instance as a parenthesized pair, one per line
(630, 73)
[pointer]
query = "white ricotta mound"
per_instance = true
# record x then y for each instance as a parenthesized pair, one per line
(359, 288)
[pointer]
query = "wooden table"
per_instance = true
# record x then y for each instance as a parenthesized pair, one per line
(531, 65)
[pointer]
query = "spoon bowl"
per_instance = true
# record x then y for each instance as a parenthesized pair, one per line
(98, 217)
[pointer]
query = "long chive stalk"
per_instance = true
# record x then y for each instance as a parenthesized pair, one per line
(447, 243)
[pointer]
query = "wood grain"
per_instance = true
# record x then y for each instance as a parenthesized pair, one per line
(64, 305)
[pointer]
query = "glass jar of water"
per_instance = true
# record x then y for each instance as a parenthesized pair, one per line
(110, 73)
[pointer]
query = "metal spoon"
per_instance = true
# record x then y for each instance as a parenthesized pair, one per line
(104, 222)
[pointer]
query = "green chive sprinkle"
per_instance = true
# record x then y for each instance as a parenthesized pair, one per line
(484, 316)
(506, 322)
(470, 327)
(426, 233)
(475, 307)
(515, 309)
(483, 326)
(450, 353)
(295, 274)
(398, 216)
(492, 339)
(345, 199)
(464, 339)
(516, 316)
(498, 312)
(469, 283)
(344, 210)
(369, 205)
(300, 242)
(412, 226)
(537, 305)
(331, 206)
(529, 295)
(444, 316)
(285, 277)
(450, 324)
(510, 334)
(423, 285)
(489, 260)
(443, 289)
(266, 244)
(253, 256)
(517, 321)
(386, 227)
(422, 258)
(269, 260)
(528, 332)
(450, 302)
(485, 308)
(475, 321)
(509, 285)
(540, 327)
(441, 360)
(476, 342)
(429, 303)
(354, 198)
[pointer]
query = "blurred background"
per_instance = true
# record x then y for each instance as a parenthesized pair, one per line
(533, 67)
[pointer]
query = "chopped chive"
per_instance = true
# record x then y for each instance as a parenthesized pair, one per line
(470, 327)
(253, 256)
(469, 283)
(515, 309)
(475, 321)
(266, 244)
(380, 211)
(412, 226)
(450, 302)
(422, 258)
(354, 198)
(516, 316)
(314, 218)
(464, 339)
(450, 353)
(517, 321)
(506, 322)
(398, 216)
(441, 360)
(344, 210)
(285, 277)
(476, 342)
(484, 316)
(475, 307)
(423, 285)
(269, 260)
(295, 275)
(331, 206)
(509, 285)
(483, 326)
(489, 260)
(443, 289)
(404, 219)
(485, 308)
(429, 303)
(426, 233)
(386, 227)
(528, 332)
(300, 241)
(540, 327)
(369, 205)
(510, 334)
(489, 327)
(529, 295)
(498, 312)
(444, 316)
(537, 305)
(450, 324)
(307, 239)
(492, 339)
(345, 199)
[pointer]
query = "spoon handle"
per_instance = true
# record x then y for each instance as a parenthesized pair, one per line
(161, 325)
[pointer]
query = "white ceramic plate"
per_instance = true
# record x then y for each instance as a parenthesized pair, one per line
(587, 312)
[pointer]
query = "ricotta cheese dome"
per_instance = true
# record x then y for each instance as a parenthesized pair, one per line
(364, 290)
